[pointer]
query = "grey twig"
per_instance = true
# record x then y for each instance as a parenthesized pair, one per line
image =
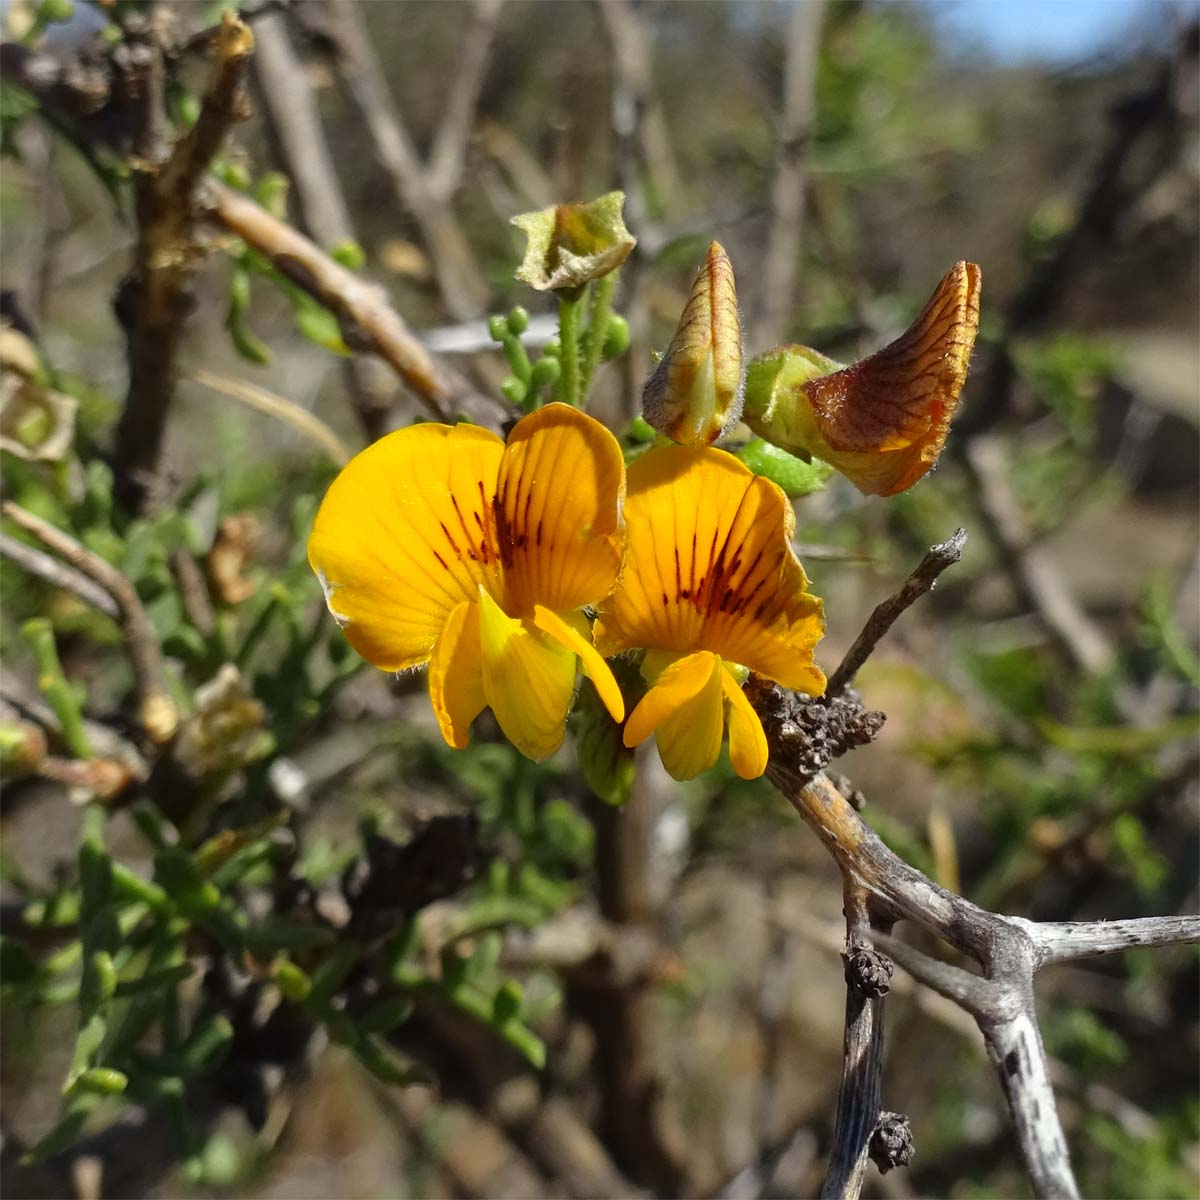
(459, 282)
(49, 569)
(1066, 941)
(156, 709)
(941, 556)
(292, 117)
(785, 231)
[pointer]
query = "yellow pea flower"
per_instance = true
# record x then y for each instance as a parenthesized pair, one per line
(445, 545)
(711, 588)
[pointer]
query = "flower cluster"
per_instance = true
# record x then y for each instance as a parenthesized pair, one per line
(448, 547)
(508, 567)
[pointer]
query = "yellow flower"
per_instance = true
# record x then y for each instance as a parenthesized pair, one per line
(710, 588)
(444, 545)
(882, 422)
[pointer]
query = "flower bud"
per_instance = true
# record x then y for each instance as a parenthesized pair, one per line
(569, 245)
(695, 391)
(881, 422)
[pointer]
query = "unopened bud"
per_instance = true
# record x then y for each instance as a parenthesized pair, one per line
(695, 391)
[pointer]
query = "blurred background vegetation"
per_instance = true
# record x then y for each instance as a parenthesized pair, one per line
(299, 948)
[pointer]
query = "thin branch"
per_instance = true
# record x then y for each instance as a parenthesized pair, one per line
(58, 574)
(922, 580)
(867, 975)
(156, 709)
(1066, 941)
(289, 103)
(459, 282)
(155, 299)
(367, 321)
(264, 401)
(448, 155)
(1031, 566)
(785, 232)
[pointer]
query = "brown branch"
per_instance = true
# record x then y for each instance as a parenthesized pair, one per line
(922, 580)
(367, 321)
(785, 231)
(155, 299)
(156, 709)
(462, 288)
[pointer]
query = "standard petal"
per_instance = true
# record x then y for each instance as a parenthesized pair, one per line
(558, 511)
(759, 613)
(747, 741)
(528, 680)
(675, 687)
(456, 675)
(577, 637)
(678, 512)
(402, 537)
(689, 740)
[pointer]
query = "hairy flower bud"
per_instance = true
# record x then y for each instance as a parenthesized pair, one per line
(881, 422)
(695, 391)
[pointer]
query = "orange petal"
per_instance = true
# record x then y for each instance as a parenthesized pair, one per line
(709, 565)
(747, 741)
(695, 391)
(576, 636)
(399, 539)
(528, 680)
(456, 675)
(557, 512)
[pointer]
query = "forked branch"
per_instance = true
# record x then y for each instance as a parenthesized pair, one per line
(881, 888)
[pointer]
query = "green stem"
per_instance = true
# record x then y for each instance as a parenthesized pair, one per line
(59, 693)
(568, 335)
(597, 329)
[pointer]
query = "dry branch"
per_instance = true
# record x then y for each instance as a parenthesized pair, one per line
(459, 282)
(156, 297)
(785, 231)
(290, 107)
(367, 321)
(156, 709)
(944, 554)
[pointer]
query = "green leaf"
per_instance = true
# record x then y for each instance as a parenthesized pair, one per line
(386, 1066)
(319, 325)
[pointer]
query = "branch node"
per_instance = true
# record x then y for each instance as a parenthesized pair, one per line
(868, 971)
(892, 1142)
